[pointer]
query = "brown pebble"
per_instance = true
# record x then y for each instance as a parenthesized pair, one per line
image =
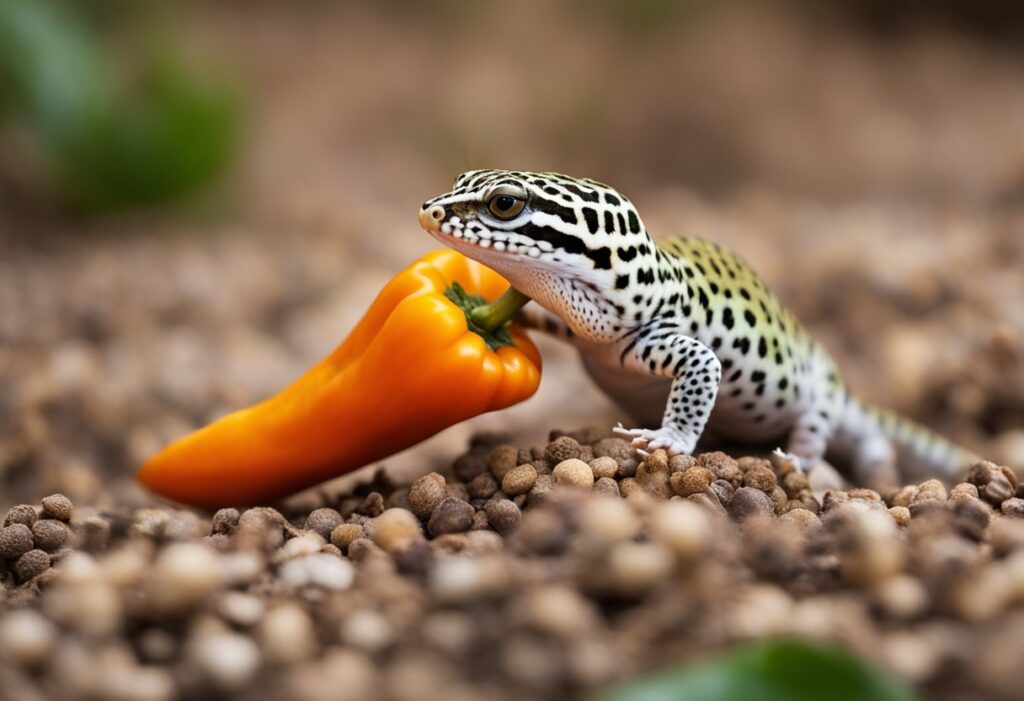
(760, 476)
(963, 490)
(15, 541)
(604, 466)
(561, 449)
(49, 533)
(426, 493)
(323, 521)
(451, 516)
(541, 491)
(802, 518)
(519, 480)
(747, 502)
(1013, 507)
(628, 487)
(573, 472)
(22, 513)
(343, 535)
(606, 486)
(542, 532)
(981, 473)
(723, 490)
(722, 466)
(930, 490)
(795, 482)
(469, 465)
(224, 521)
(394, 530)
(503, 458)
(901, 515)
(503, 515)
(58, 506)
(483, 486)
(678, 463)
(693, 480)
(998, 489)
(1011, 477)
(95, 533)
(779, 499)
(619, 451)
(31, 564)
(373, 504)
(904, 496)
(971, 517)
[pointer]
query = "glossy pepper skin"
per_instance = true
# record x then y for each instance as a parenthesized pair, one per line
(409, 369)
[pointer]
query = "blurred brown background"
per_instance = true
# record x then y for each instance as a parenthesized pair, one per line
(867, 158)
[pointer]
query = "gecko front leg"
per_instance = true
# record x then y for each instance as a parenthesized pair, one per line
(695, 373)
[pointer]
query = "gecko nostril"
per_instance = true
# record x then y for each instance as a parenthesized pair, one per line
(436, 213)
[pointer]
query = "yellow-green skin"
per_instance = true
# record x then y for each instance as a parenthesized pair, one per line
(682, 334)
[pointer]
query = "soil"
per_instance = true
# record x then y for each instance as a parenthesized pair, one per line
(876, 183)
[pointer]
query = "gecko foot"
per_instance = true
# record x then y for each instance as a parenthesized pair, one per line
(646, 440)
(780, 458)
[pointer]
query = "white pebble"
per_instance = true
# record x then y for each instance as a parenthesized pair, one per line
(26, 637)
(183, 576)
(241, 609)
(682, 526)
(319, 569)
(367, 630)
(286, 634)
(458, 579)
(228, 660)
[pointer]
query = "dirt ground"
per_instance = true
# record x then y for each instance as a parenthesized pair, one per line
(876, 181)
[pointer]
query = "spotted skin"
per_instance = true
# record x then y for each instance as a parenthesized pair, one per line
(681, 333)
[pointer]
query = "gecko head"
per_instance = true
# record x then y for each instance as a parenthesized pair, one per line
(561, 225)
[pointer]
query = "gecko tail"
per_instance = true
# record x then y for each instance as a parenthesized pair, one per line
(869, 431)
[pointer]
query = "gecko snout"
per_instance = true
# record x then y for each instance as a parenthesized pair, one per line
(430, 217)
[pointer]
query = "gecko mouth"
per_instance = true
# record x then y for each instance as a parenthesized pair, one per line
(454, 232)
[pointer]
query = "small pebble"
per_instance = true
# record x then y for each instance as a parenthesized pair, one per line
(343, 535)
(607, 487)
(58, 506)
(637, 567)
(15, 541)
(26, 637)
(286, 634)
(224, 521)
(229, 660)
(395, 529)
(760, 476)
(562, 449)
(49, 533)
(901, 515)
(503, 515)
(1013, 507)
(931, 490)
(806, 520)
(604, 466)
(503, 458)
(608, 521)
(318, 569)
(367, 630)
(451, 516)
(963, 490)
(31, 564)
(574, 473)
(483, 486)
(682, 526)
(323, 521)
(693, 480)
(22, 513)
(426, 493)
(747, 502)
(183, 576)
(519, 480)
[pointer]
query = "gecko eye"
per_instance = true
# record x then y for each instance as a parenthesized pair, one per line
(505, 206)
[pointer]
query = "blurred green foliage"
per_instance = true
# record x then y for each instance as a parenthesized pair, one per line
(112, 143)
(770, 671)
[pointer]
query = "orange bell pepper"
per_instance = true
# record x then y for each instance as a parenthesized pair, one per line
(415, 364)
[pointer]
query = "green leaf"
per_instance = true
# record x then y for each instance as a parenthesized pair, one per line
(771, 671)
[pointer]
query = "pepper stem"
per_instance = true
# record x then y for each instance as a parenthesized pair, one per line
(488, 319)
(495, 314)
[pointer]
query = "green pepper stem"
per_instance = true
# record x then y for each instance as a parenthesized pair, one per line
(494, 315)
